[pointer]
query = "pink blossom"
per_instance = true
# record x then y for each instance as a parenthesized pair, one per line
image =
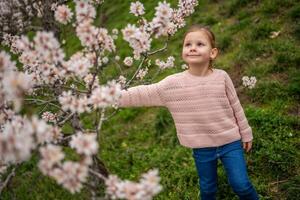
(106, 95)
(52, 154)
(63, 14)
(16, 141)
(49, 116)
(85, 143)
(48, 48)
(137, 8)
(5, 63)
(142, 73)
(15, 85)
(75, 174)
(144, 190)
(129, 31)
(84, 11)
(163, 65)
(79, 66)
(128, 61)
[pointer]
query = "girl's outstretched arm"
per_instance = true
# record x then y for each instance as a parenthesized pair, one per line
(242, 122)
(142, 95)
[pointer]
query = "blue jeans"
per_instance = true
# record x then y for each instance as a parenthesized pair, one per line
(232, 157)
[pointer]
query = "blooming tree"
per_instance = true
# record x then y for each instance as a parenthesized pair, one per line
(62, 88)
(17, 16)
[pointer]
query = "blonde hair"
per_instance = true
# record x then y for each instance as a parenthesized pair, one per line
(209, 33)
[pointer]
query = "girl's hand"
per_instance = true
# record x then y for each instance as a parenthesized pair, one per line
(247, 146)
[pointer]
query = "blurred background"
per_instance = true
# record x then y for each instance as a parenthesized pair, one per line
(258, 38)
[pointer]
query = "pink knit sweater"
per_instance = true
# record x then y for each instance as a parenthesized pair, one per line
(206, 109)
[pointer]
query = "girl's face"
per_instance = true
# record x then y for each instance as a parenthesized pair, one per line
(197, 48)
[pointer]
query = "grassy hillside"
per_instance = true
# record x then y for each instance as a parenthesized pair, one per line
(138, 139)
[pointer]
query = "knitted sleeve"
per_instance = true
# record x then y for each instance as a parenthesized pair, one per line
(142, 95)
(242, 122)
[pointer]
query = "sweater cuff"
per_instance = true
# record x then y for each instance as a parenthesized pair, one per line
(247, 135)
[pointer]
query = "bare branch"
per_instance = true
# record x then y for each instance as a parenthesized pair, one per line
(44, 102)
(98, 175)
(65, 120)
(138, 69)
(8, 178)
(100, 122)
(159, 50)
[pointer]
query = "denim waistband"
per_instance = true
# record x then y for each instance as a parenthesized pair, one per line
(231, 145)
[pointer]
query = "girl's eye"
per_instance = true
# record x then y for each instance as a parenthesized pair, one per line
(199, 44)
(188, 44)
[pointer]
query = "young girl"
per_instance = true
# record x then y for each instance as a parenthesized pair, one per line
(207, 113)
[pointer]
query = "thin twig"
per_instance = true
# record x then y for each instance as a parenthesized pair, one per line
(158, 50)
(100, 122)
(276, 182)
(155, 75)
(80, 83)
(140, 66)
(8, 178)
(43, 109)
(45, 102)
(97, 174)
(75, 90)
(118, 65)
(90, 87)
(111, 115)
(66, 119)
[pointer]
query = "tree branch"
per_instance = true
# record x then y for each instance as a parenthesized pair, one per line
(8, 178)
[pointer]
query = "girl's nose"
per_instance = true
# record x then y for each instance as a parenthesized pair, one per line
(193, 48)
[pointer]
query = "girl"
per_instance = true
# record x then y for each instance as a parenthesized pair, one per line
(207, 113)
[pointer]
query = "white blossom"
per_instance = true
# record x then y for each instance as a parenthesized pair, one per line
(117, 58)
(164, 65)
(128, 61)
(105, 60)
(15, 85)
(51, 155)
(184, 66)
(115, 31)
(122, 80)
(85, 143)
(142, 73)
(144, 190)
(106, 95)
(137, 8)
(47, 48)
(63, 14)
(85, 12)
(70, 175)
(45, 133)
(79, 65)
(73, 103)
(249, 81)
(16, 141)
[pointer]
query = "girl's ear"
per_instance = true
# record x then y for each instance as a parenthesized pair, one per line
(214, 52)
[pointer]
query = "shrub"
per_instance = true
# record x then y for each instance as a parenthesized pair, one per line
(286, 55)
(262, 31)
(294, 84)
(224, 42)
(236, 5)
(275, 144)
(266, 91)
(294, 13)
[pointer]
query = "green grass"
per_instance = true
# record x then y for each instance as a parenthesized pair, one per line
(138, 139)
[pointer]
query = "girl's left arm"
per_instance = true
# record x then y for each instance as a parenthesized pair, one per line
(245, 129)
(143, 95)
